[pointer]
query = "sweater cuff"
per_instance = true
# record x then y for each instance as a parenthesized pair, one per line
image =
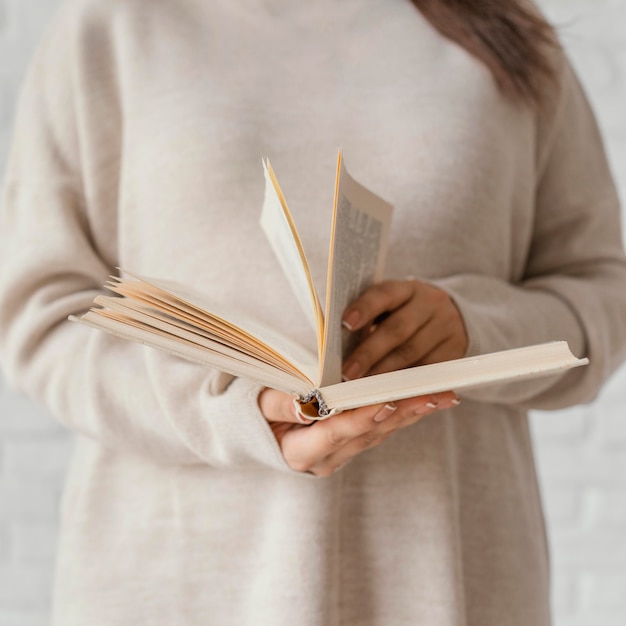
(500, 316)
(242, 435)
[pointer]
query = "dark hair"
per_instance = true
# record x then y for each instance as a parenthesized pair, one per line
(508, 36)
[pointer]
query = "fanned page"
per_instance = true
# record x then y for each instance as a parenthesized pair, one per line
(280, 230)
(358, 249)
(171, 310)
(232, 362)
(486, 369)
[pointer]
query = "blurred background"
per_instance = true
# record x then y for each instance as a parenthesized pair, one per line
(581, 452)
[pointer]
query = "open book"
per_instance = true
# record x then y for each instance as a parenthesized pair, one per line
(171, 317)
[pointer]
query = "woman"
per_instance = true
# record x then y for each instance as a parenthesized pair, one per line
(194, 498)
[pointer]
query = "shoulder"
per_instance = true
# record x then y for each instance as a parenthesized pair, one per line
(78, 21)
(566, 108)
(123, 29)
(86, 39)
(82, 12)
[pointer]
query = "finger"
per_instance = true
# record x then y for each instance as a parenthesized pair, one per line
(414, 350)
(454, 347)
(318, 447)
(344, 455)
(308, 447)
(277, 406)
(378, 299)
(280, 429)
(411, 411)
(395, 339)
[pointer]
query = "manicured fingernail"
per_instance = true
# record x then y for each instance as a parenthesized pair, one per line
(299, 415)
(351, 320)
(385, 412)
(352, 371)
(433, 403)
(303, 419)
(455, 402)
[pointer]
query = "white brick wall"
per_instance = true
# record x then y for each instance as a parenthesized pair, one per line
(581, 452)
(33, 449)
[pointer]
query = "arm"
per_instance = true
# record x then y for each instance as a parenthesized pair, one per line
(57, 246)
(575, 282)
(574, 288)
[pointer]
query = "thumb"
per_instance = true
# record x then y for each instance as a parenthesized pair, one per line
(278, 406)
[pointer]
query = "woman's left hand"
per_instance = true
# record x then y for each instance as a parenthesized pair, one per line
(404, 323)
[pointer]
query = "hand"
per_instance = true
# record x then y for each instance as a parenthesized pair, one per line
(421, 325)
(327, 445)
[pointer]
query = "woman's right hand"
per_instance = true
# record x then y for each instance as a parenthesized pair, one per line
(326, 445)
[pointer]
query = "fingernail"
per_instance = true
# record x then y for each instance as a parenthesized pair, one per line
(433, 403)
(351, 320)
(385, 412)
(352, 371)
(299, 415)
(455, 402)
(303, 419)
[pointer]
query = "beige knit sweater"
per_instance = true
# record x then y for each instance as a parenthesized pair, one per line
(138, 144)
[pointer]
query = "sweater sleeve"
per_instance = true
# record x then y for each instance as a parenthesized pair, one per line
(53, 261)
(574, 287)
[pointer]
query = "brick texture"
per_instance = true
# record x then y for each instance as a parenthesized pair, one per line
(581, 452)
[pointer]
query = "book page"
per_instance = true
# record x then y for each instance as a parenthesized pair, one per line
(219, 316)
(358, 248)
(173, 324)
(220, 358)
(280, 230)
